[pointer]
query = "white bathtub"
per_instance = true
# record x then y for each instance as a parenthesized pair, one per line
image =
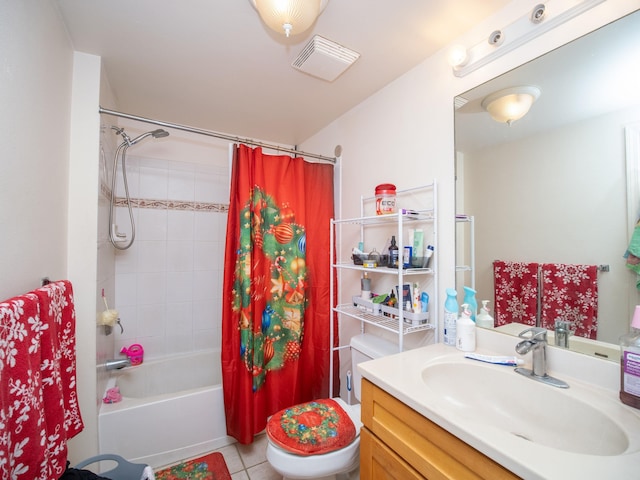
(172, 409)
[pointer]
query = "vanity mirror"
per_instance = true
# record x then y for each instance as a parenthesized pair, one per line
(553, 187)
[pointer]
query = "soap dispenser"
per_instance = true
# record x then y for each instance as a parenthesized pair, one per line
(484, 320)
(465, 331)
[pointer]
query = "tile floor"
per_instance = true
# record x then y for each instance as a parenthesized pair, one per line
(249, 462)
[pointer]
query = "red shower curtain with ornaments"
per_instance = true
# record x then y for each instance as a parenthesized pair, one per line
(276, 299)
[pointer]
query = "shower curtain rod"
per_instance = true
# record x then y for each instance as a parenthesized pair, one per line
(223, 136)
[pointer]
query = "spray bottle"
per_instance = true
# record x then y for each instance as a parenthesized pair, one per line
(450, 316)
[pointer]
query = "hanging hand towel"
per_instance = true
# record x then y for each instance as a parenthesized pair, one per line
(633, 253)
(58, 371)
(570, 292)
(23, 443)
(516, 292)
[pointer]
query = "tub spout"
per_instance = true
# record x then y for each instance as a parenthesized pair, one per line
(117, 363)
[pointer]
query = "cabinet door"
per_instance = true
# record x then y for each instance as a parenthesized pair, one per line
(379, 462)
(426, 447)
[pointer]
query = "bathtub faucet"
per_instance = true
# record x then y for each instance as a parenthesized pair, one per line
(117, 363)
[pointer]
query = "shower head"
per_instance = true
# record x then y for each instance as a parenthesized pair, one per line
(159, 133)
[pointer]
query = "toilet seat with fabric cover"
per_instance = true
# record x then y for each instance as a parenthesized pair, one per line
(312, 428)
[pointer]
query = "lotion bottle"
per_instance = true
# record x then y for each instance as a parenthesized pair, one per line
(484, 320)
(466, 331)
(630, 363)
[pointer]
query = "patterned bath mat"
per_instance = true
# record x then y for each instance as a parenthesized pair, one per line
(209, 467)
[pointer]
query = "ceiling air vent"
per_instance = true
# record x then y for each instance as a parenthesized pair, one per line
(324, 59)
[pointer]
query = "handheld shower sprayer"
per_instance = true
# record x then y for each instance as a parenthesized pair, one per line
(159, 133)
(115, 237)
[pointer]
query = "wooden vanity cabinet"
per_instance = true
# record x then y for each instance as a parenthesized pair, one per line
(396, 442)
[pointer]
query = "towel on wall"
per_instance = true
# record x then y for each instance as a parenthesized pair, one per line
(632, 255)
(570, 292)
(38, 400)
(22, 441)
(516, 292)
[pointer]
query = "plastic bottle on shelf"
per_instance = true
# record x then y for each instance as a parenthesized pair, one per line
(465, 331)
(630, 363)
(393, 253)
(365, 287)
(428, 253)
(484, 319)
(450, 316)
(470, 300)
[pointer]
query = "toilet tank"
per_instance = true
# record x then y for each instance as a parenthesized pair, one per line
(367, 347)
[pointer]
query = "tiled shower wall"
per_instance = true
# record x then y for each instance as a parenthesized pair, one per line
(168, 284)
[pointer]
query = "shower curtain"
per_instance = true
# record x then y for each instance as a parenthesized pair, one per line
(276, 299)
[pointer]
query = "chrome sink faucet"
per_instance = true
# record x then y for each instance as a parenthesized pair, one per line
(535, 341)
(562, 333)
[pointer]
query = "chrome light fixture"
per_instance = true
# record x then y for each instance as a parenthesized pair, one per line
(290, 17)
(510, 104)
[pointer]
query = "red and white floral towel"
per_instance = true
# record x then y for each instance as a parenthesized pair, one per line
(39, 408)
(516, 292)
(567, 292)
(570, 292)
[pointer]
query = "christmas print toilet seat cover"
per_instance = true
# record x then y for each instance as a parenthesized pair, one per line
(316, 427)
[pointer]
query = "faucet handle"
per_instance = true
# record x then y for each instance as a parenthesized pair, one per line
(535, 334)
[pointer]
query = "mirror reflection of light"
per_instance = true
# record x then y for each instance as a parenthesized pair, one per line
(511, 104)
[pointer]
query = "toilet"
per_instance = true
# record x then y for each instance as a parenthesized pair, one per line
(341, 463)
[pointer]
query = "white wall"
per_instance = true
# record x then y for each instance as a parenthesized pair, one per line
(82, 246)
(35, 95)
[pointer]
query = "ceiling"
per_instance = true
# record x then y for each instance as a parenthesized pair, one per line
(212, 64)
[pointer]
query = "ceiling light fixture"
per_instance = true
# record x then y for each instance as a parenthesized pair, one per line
(541, 19)
(510, 104)
(290, 17)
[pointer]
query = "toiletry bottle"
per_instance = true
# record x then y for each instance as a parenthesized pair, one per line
(428, 253)
(365, 287)
(450, 317)
(424, 302)
(630, 363)
(418, 248)
(392, 300)
(416, 298)
(465, 331)
(483, 319)
(393, 253)
(470, 300)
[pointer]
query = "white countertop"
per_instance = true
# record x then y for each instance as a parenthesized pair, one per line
(591, 380)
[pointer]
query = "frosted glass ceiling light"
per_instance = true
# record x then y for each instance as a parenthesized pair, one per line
(290, 17)
(511, 104)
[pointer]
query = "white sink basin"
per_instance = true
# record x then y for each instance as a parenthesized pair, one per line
(539, 413)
